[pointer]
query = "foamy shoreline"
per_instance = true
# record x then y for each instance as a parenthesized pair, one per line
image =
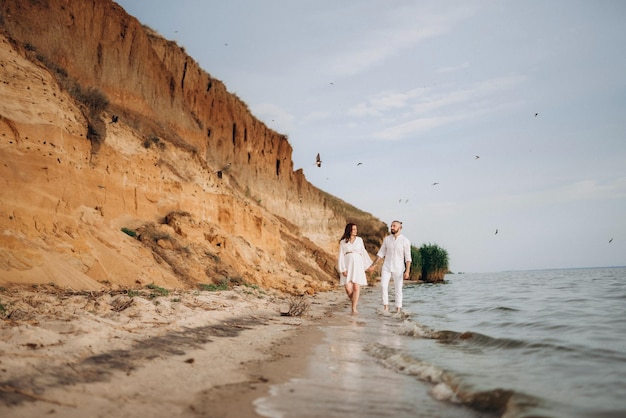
(182, 354)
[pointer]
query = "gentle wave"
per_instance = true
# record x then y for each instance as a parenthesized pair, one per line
(477, 340)
(450, 388)
(492, 309)
(557, 335)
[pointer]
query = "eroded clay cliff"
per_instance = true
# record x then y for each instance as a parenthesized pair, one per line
(125, 163)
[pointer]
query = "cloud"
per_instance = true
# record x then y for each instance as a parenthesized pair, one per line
(421, 109)
(380, 103)
(412, 127)
(398, 29)
(362, 55)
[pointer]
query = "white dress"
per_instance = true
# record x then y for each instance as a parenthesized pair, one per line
(354, 259)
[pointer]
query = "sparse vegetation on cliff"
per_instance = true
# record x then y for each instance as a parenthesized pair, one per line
(157, 291)
(224, 283)
(92, 98)
(129, 232)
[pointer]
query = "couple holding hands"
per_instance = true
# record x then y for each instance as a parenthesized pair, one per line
(354, 262)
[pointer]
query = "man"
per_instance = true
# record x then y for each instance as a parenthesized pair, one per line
(396, 251)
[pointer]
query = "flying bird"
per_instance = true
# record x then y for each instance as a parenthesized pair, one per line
(318, 160)
(476, 157)
(434, 184)
(496, 232)
(611, 240)
(536, 114)
(358, 164)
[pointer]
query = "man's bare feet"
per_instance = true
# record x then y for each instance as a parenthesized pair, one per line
(355, 312)
(385, 307)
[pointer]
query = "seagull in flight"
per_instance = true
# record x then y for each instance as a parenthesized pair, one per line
(434, 184)
(358, 164)
(318, 160)
(476, 157)
(496, 232)
(611, 240)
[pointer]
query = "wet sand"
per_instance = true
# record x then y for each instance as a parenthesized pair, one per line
(333, 374)
(285, 361)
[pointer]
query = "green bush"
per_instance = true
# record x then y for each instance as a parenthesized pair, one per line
(129, 232)
(223, 284)
(211, 287)
(416, 263)
(157, 291)
(434, 261)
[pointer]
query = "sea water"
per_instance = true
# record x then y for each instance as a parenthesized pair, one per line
(549, 343)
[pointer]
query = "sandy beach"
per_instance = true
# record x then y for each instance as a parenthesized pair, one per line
(108, 354)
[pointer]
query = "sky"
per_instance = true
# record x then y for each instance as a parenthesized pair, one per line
(493, 129)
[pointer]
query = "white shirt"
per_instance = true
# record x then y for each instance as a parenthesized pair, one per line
(396, 251)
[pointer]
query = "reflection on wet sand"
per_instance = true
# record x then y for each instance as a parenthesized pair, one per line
(341, 379)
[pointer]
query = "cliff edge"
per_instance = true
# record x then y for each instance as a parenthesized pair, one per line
(126, 164)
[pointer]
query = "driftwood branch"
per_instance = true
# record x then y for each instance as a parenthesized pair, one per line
(297, 306)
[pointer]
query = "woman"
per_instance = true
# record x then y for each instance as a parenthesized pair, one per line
(353, 261)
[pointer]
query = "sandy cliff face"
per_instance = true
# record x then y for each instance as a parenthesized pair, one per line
(205, 192)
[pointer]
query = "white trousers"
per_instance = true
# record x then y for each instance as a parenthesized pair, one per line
(398, 279)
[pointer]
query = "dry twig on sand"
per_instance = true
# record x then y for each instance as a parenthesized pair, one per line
(120, 304)
(297, 306)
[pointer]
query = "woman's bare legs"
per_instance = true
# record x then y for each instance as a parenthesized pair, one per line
(355, 297)
(349, 289)
(353, 291)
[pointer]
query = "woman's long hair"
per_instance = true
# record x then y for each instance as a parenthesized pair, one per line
(347, 232)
